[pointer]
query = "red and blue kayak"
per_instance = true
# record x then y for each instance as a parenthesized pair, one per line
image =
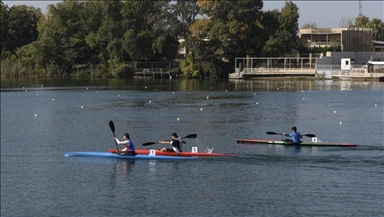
(182, 154)
(304, 143)
(120, 156)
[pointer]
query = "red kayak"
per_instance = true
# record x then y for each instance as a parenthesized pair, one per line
(185, 154)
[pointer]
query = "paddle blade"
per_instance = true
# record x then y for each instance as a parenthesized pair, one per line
(149, 143)
(272, 133)
(191, 136)
(112, 126)
(310, 135)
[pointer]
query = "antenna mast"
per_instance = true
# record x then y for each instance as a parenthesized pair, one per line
(360, 8)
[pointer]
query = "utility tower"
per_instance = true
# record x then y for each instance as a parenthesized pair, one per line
(360, 8)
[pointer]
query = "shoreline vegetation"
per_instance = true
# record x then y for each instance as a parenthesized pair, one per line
(110, 39)
(14, 69)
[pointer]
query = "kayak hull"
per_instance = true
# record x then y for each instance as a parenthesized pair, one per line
(183, 154)
(135, 157)
(279, 142)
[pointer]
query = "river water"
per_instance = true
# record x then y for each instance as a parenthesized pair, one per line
(41, 119)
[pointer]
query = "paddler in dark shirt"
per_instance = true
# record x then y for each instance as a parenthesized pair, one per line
(176, 143)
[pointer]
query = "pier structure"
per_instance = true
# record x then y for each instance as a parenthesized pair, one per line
(153, 70)
(261, 67)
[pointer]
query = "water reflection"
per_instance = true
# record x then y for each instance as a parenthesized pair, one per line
(122, 167)
(190, 85)
(288, 85)
(295, 149)
(273, 148)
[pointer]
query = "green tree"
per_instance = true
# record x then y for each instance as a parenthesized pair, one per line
(361, 22)
(197, 44)
(285, 37)
(270, 23)
(234, 31)
(148, 34)
(4, 30)
(60, 41)
(186, 13)
(377, 26)
(18, 26)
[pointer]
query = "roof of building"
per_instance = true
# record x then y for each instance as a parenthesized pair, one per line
(377, 42)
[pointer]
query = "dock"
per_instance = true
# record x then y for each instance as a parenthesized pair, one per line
(257, 73)
(153, 74)
(153, 70)
(259, 68)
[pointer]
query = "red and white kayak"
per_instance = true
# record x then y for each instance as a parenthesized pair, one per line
(183, 154)
(280, 142)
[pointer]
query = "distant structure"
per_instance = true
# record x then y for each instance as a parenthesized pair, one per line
(360, 8)
(349, 39)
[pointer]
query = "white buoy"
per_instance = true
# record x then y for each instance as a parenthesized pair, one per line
(375, 104)
(150, 101)
(207, 97)
(97, 91)
(257, 103)
(226, 90)
(201, 109)
(53, 99)
(334, 112)
(210, 88)
(278, 88)
(26, 90)
(42, 85)
(303, 98)
(35, 115)
(86, 88)
(341, 123)
(178, 119)
(82, 107)
(254, 94)
(173, 92)
(37, 94)
(118, 95)
(145, 87)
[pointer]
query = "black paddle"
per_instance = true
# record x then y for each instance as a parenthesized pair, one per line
(112, 126)
(190, 136)
(273, 133)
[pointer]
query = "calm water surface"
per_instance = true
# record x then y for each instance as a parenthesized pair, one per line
(41, 119)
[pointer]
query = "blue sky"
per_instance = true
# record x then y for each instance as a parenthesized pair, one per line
(326, 14)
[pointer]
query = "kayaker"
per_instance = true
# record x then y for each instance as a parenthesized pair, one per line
(296, 136)
(129, 147)
(176, 143)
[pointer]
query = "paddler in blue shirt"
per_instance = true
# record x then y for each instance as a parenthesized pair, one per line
(129, 147)
(176, 143)
(296, 136)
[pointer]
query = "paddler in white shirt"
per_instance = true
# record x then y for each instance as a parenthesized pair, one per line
(129, 147)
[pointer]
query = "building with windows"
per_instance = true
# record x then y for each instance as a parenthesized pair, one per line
(350, 39)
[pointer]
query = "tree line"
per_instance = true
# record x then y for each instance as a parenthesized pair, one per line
(101, 38)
